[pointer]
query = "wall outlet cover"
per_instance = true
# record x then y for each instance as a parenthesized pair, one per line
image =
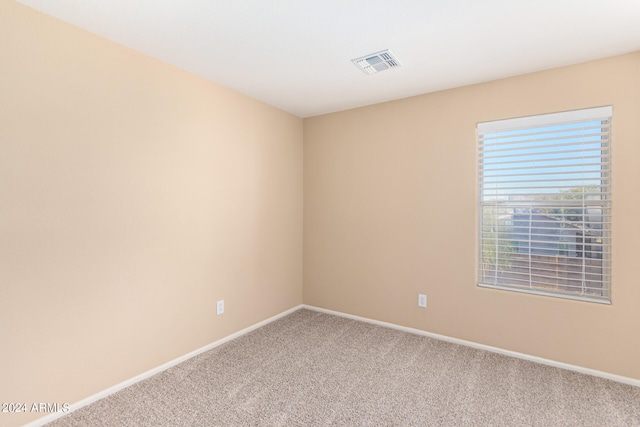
(422, 300)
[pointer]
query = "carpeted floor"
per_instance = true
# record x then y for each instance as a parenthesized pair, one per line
(310, 369)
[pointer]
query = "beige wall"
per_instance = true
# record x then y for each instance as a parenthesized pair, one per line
(390, 211)
(133, 195)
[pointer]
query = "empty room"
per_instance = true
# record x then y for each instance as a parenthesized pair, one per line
(322, 212)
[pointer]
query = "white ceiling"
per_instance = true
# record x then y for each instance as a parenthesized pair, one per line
(295, 54)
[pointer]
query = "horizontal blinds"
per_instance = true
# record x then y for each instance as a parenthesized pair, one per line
(545, 214)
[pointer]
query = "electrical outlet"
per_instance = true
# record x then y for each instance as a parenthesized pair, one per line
(422, 300)
(220, 307)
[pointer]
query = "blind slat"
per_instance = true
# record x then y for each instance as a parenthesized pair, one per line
(577, 127)
(531, 144)
(526, 198)
(542, 154)
(563, 160)
(564, 172)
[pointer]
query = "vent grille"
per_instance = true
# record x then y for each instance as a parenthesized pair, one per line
(376, 62)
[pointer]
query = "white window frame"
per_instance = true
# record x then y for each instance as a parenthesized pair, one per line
(504, 195)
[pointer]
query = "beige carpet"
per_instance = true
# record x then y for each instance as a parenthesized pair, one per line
(310, 369)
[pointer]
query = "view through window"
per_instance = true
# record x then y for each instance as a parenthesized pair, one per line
(544, 204)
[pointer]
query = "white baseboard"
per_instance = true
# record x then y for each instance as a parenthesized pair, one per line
(101, 395)
(549, 362)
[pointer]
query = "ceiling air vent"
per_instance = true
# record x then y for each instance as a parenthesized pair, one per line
(376, 62)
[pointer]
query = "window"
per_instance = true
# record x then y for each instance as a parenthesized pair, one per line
(545, 204)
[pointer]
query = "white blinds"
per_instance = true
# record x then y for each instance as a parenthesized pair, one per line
(545, 215)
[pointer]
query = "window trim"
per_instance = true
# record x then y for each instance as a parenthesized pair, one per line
(520, 123)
